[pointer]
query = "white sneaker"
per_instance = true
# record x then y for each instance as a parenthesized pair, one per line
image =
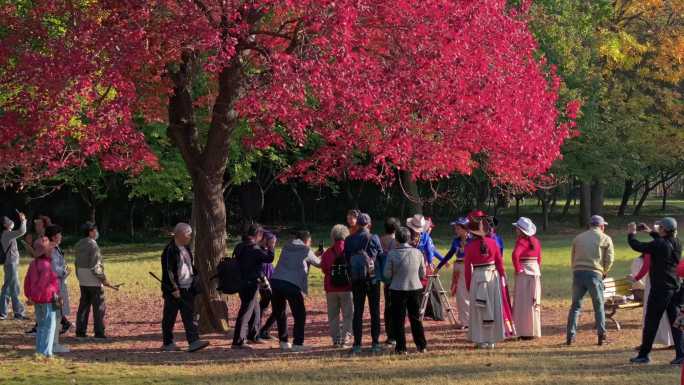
(60, 349)
(285, 346)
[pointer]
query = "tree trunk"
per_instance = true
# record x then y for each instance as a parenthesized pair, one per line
(626, 194)
(585, 203)
(206, 160)
(647, 190)
(210, 247)
(300, 203)
(517, 205)
(597, 189)
(569, 198)
(543, 196)
(131, 220)
(664, 205)
(554, 202)
(415, 205)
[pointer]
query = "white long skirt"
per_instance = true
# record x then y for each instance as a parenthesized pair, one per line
(664, 334)
(486, 316)
(527, 306)
(462, 295)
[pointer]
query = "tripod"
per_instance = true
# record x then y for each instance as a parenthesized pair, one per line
(435, 282)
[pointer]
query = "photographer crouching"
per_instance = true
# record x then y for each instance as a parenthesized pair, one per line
(179, 286)
(665, 296)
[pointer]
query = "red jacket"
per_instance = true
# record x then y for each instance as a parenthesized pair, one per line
(327, 260)
(526, 248)
(41, 284)
(474, 257)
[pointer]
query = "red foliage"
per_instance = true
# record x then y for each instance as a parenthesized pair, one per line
(433, 87)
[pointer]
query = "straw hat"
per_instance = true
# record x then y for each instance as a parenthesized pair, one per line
(417, 223)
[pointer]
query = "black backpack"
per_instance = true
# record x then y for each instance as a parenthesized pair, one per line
(339, 272)
(229, 276)
(3, 254)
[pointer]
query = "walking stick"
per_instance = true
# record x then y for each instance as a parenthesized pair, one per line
(166, 287)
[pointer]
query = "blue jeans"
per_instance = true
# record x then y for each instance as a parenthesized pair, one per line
(11, 291)
(583, 282)
(45, 331)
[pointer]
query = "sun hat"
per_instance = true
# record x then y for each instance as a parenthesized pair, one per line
(526, 226)
(417, 223)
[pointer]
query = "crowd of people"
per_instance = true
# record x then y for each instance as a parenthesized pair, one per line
(45, 284)
(358, 268)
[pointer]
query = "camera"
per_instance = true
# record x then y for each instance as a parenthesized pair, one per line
(641, 227)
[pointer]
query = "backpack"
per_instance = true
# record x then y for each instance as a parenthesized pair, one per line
(229, 276)
(339, 272)
(361, 265)
(3, 254)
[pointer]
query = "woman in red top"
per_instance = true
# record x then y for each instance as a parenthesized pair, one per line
(527, 264)
(339, 297)
(42, 288)
(483, 265)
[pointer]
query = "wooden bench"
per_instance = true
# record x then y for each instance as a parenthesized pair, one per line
(617, 295)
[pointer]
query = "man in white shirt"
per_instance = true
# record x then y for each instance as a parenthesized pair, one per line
(177, 288)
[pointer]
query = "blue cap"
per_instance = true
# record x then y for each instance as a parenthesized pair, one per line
(461, 221)
(363, 219)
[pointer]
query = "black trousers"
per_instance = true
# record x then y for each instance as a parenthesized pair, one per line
(286, 293)
(401, 302)
(361, 290)
(661, 301)
(186, 306)
(264, 301)
(389, 328)
(91, 296)
(248, 309)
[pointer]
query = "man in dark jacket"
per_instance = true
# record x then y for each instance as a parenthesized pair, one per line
(364, 240)
(251, 257)
(178, 274)
(665, 296)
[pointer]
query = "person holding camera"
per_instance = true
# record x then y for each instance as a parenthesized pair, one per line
(665, 296)
(41, 287)
(251, 256)
(10, 288)
(405, 268)
(179, 287)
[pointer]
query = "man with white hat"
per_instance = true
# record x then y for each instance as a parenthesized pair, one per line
(527, 264)
(11, 289)
(592, 258)
(665, 295)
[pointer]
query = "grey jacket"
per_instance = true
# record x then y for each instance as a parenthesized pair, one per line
(89, 268)
(405, 267)
(8, 242)
(293, 265)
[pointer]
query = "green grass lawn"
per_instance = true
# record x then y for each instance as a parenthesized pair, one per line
(132, 357)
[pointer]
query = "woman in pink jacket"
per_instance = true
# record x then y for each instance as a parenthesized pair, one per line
(41, 287)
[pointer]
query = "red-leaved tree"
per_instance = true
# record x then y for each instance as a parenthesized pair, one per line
(429, 88)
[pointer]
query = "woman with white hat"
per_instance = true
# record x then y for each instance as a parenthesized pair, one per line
(527, 264)
(418, 224)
